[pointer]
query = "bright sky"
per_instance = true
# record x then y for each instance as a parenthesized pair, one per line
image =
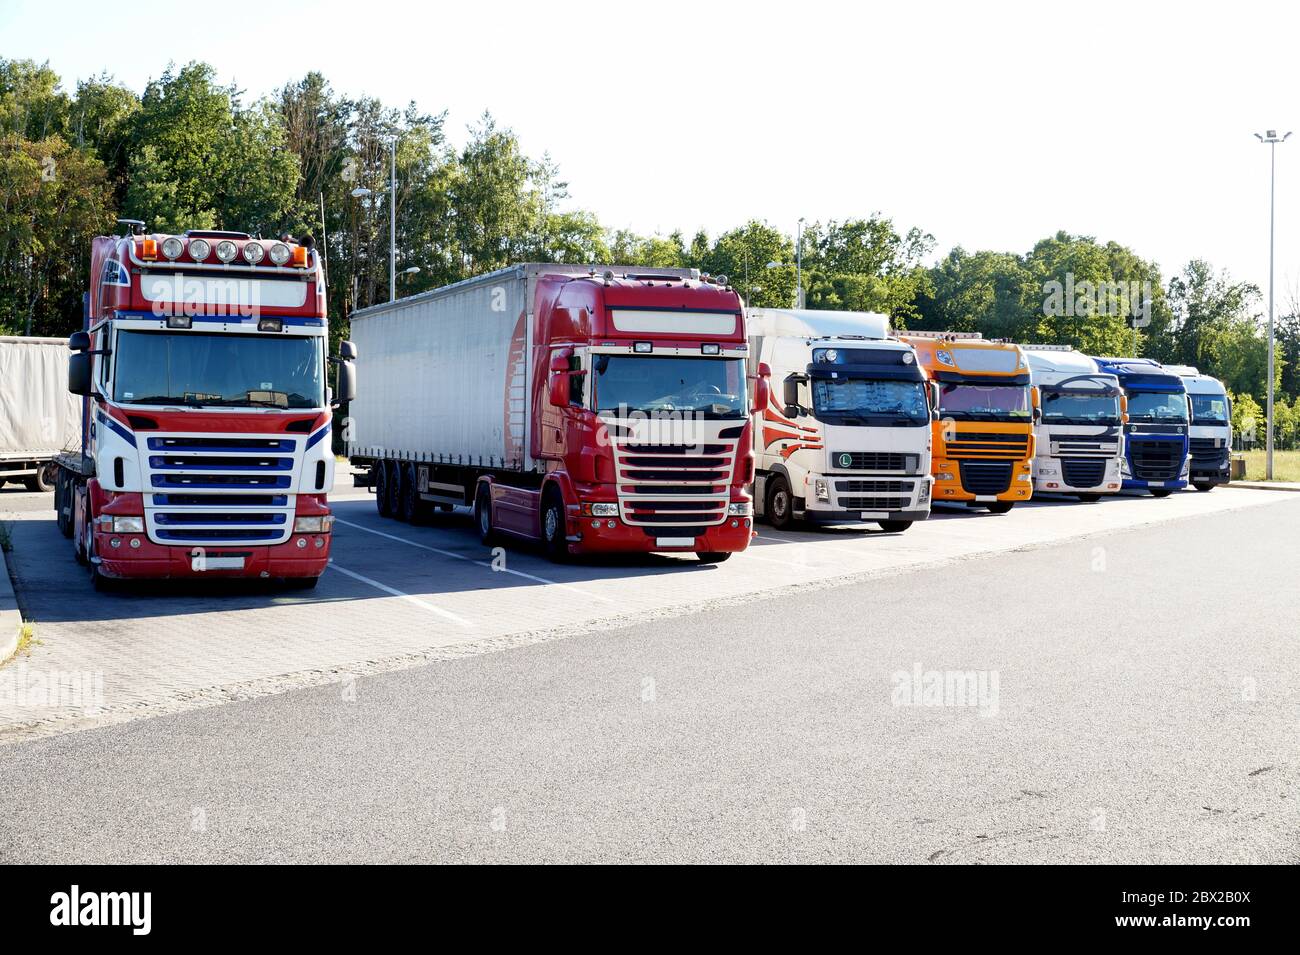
(988, 124)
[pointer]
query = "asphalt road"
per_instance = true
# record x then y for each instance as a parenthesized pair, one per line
(1138, 703)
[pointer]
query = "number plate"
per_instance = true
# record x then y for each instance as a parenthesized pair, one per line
(217, 563)
(674, 541)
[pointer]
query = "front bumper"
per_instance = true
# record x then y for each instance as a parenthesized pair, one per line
(1021, 487)
(1049, 477)
(160, 561)
(586, 538)
(1135, 484)
(839, 506)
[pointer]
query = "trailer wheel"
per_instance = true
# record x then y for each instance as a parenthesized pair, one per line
(553, 530)
(1161, 491)
(63, 503)
(780, 505)
(483, 515)
(711, 556)
(1000, 507)
(408, 502)
(43, 479)
(894, 527)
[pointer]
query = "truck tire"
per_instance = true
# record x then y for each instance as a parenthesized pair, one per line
(43, 479)
(301, 583)
(711, 556)
(553, 531)
(894, 527)
(483, 516)
(1161, 491)
(1089, 498)
(1204, 487)
(1000, 507)
(63, 503)
(382, 500)
(408, 501)
(780, 505)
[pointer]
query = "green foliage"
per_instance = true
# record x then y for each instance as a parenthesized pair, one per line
(743, 255)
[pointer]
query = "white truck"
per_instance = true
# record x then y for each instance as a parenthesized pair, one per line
(1210, 434)
(1080, 430)
(845, 434)
(39, 419)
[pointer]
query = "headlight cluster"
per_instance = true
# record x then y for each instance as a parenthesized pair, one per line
(603, 510)
(313, 525)
(253, 252)
(128, 525)
(740, 509)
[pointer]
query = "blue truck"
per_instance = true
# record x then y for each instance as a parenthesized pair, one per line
(1156, 435)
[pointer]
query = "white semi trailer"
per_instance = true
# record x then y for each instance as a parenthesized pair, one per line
(845, 434)
(39, 418)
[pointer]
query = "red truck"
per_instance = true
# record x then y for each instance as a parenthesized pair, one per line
(205, 447)
(595, 410)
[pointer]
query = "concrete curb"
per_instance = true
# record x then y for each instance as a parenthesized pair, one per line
(1267, 485)
(11, 621)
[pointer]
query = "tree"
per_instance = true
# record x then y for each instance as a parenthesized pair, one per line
(743, 254)
(865, 265)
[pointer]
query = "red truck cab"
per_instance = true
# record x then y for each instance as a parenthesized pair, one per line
(206, 425)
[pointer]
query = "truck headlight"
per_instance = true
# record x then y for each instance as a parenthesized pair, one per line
(925, 493)
(603, 510)
(1123, 466)
(128, 525)
(1024, 477)
(740, 509)
(821, 489)
(313, 525)
(944, 476)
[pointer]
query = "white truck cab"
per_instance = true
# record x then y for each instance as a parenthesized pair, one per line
(1210, 435)
(1080, 431)
(845, 437)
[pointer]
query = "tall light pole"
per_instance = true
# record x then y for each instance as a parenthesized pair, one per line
(1272, 139)
(392, 216)
(798, 268)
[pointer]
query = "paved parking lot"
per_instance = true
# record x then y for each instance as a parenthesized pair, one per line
(398, 595)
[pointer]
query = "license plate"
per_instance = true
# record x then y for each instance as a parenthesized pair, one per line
(1155, 483)
(217, 563)
(674, 541)
(874, 515)
(984, 498)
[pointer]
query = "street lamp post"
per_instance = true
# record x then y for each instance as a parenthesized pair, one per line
(1272, 139)
(392, 216)
(798, 268)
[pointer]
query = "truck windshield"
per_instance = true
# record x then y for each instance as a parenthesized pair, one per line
(206, 370)
(1210, 410)
(984, 402)
(863, 401)
(1157, 406)
(1074, 408)
(710, 387)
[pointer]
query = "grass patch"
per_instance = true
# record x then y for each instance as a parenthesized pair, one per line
(1286, 465)
(26, 637)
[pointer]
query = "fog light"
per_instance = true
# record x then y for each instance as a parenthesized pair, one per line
(643, 348)
(735, 523)
(595, 523)
(135, 542)
(611, 523)
(115, 542)
(710, 348)
(320, 542)
(302, 542)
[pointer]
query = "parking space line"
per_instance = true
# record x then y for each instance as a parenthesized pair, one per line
(405, 596)
(481, 563)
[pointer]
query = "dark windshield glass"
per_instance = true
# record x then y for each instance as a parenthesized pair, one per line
(1157, 406)
(860, 401)
(1073, 408)
(1210, 409)
(201, 369)
(984, 402)
(711, 387)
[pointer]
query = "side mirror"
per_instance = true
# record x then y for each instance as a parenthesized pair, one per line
(79, 372)
(934, 400)
(560, 359)
(79, 341)
(347, 383)
(1123, 409)
(763, 387)
(347, 351)
(790, 396)
(558, 387)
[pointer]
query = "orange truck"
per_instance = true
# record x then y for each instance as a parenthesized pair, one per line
(983, 442)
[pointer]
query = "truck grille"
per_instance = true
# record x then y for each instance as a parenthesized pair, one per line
(875, 461)
(204, 489)
(1208, 453)
(670, 487)
(875, 487)
(1156, 460)
(983, 479)
(1083, 472)
(988, 446)
(873, 503)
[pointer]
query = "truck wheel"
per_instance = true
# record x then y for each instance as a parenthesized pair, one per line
(301, 583)
(408, 502)
(553, 533)
(1161, 492)
(1000, 507)
(780, 505)
(43, 479)
(711, 556)
(382, 500)
(894, 527)
(1089, 498)
(483, 516)
(1204, 487)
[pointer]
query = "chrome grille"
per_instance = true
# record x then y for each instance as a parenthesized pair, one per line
(674, 485)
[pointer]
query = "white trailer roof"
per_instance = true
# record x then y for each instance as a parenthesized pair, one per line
(1057, 359)
(816, 323)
